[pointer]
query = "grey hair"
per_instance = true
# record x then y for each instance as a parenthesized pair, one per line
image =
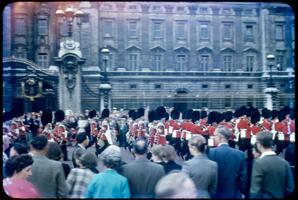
(111, 156)
(224, 131)
(171, 184)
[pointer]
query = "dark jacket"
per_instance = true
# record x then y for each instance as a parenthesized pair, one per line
(271, 178)
(142, 177)
(231, 171)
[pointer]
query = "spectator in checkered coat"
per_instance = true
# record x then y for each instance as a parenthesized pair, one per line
(79, 178)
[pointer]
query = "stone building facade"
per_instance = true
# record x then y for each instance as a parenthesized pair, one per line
(177, 54)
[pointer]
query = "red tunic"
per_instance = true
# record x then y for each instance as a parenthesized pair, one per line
(244, 124)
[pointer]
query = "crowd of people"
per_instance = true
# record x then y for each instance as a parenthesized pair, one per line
(248, 153)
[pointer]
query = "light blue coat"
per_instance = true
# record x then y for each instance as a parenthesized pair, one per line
(108, 184)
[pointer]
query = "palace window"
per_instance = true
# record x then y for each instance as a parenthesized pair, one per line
(227, 62)
(249, 63)
(181, 61)
(279, 32)
(204, 31)
(157, 60)
(204, 62)
(20, 26)
(133, 61)
(181, 30)
(132, 29)
(157, 30)
(227, 31)
(42, 27)
(42, 59)
(108, 28)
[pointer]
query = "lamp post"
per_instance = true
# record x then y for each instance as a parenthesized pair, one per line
(69, 15)
(105, 57)
(270, 90)
(270, 60)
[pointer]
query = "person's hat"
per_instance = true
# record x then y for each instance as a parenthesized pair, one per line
(151, 116)
(46, 117)
(141, 112)
(243, 110)
(212, 117)
(274, 114)
(255, 116)
(105, 113)
(266, 113)
(195, 116)
(92, 114)
(175, 114)
(228, 116)
(160, 112)
(59, 115)
(203, 114)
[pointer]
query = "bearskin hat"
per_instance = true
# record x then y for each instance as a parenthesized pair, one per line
(228, 116)
(274, 114)
(195, 116)
(281, 115)
(59, 115)
(187, 114)
(46, 117)
(212, 117)
(151, 116)
(160, 112)
(105, 113)
(237, 113)
(141, 112)
(203, 114)
(219, 117)
(255, 116)
(266, 113)
(130, 112)
(243, 110)
(134, 115)
(92, 114)
(175, 114)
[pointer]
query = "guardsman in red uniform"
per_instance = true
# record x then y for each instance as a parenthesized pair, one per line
(244, 131)
(141, 129)
(255, 127)
(228, 116)
(282, 132)
(266, 122)
(160, 137)
(174, 128)
(152, 132)
(212, 121)
(195, 126)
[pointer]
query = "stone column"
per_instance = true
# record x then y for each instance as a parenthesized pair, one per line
(69, 61)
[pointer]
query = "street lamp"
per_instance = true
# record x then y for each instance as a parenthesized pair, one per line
(69, 15)
(105, 56)
(270, 60)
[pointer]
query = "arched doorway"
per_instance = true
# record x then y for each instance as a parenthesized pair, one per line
(180, 99)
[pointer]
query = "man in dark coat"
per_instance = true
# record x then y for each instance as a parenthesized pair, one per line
(142, 174)
(271, 175)
(231, 166)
